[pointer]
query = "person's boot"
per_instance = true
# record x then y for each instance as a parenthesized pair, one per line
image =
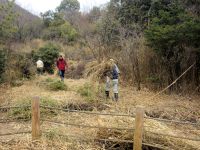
(107, 94)
(116, 97)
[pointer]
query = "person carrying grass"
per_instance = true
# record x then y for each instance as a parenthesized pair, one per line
(62, 67)
(114, 77)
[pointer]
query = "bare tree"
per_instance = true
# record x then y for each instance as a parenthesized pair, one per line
(130, 45)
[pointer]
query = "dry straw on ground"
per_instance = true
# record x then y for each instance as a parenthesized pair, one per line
(164, 106)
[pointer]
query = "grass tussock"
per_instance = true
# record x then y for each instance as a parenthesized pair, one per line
(87, 91)
(54, 85)
(92, 91)
(58, 86)
(17, 83)
(25, 112)
(51, 134)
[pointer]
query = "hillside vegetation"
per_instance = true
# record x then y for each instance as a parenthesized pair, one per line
(153, 41)
(156, 45)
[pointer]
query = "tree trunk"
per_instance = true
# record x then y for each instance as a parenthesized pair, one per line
(136, 71)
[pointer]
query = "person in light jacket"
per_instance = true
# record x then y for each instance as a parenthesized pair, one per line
(40, 66)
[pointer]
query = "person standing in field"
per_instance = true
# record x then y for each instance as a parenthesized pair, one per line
(40, 66)
(62, 67)
(115, 78)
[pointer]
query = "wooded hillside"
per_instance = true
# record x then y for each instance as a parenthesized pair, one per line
(129, 76)
(153, 41)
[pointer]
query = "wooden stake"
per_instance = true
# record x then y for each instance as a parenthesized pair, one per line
(139, 121)
(35, 118)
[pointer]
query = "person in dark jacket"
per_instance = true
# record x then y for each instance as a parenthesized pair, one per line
(62, 66)
(115, 76)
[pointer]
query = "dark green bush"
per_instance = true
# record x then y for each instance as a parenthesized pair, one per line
(48, 54)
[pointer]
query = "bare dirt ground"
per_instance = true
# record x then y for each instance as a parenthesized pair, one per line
(176, 107)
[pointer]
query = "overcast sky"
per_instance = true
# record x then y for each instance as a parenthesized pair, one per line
(37, 6)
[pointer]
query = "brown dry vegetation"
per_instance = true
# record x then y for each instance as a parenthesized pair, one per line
(178, 107)
(101, 35)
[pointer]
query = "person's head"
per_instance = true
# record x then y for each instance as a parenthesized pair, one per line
(60, 57)
(112, 62)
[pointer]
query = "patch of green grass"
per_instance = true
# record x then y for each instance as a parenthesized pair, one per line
(49, 80)
(51, 134)
(87, 91)
(57, 86)
(54, 134)
(25, 112)
(54, 84)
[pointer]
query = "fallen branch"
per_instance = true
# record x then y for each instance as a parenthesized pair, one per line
(172, 82)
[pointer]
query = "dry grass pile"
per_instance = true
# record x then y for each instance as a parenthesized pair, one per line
(86, 106)
(25, 142)
(96, 71)
(53, 138)
(115, 135)
(148, 137)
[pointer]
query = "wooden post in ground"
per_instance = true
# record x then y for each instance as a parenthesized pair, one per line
(35, 118)
(139, 121)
